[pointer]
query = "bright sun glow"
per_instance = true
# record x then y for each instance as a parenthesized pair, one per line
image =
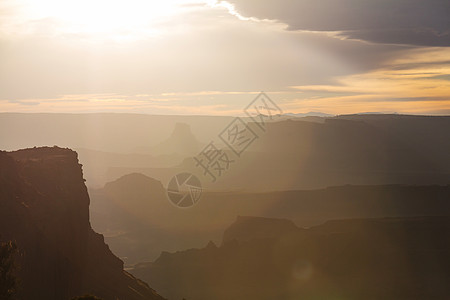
(120, 20)
(108, 18)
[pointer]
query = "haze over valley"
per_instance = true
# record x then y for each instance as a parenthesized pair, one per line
(224, 150)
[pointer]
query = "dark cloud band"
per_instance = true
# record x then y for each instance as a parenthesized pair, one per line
(413, 22)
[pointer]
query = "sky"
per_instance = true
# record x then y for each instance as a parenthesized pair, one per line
(214, 57)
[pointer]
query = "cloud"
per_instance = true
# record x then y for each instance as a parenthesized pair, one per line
(202, 50)
(415, 83)
(211, 61)
(412, 22)
(418, 82)
(181, 104)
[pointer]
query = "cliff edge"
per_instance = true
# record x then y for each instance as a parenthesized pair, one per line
(44, 207)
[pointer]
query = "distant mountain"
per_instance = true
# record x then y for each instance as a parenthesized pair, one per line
(292, 153)
(134, 194)
(426, 136)
(364, 150)
(107, 132)
(182, 142)
(139, 222)
(309, 114)
(99, 166)
(44, 207)
(391, 258)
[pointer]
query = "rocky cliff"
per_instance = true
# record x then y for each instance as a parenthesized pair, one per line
(44, 207)
(386, 258)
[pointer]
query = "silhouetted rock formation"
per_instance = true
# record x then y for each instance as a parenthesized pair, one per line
(391, 258)
(44, 207)
(139, 222)
(303, 153)
(181, 141)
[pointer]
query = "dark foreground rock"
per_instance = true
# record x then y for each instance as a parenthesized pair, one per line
(44, 207)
